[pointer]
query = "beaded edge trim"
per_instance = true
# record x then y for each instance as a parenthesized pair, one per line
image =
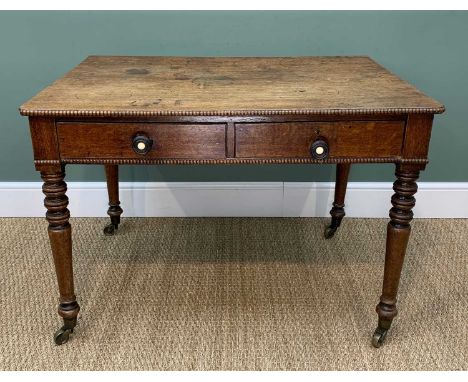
(135, 113)
(233, 161)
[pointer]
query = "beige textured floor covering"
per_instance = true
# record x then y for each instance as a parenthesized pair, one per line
(234, 293)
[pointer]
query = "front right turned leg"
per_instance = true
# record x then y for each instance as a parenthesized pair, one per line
(398, 232)
(59, 230)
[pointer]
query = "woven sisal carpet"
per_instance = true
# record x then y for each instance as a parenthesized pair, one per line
(234, 293)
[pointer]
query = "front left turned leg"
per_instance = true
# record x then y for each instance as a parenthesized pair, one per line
(398, 231)
(337, 212)
(114, 210)
(59, 230)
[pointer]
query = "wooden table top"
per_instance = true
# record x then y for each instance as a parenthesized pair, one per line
(146, 86)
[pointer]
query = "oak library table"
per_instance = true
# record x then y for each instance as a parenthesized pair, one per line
(214, 110)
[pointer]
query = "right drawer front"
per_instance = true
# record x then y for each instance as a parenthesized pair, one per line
(357, 139)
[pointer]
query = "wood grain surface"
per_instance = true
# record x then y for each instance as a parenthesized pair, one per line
(145, 86)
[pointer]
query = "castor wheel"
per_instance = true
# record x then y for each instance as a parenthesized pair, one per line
(379, 337)
(329, 232)
(62, 335)
(109, 229)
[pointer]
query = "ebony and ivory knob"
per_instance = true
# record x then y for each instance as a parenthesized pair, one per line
(319, 149)
(142, 144)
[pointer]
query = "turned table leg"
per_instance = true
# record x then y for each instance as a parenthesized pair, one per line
(114, 210)
(398, 231)
(59, 230)
(337, 212)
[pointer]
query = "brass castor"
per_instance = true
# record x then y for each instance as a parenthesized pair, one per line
(62, 335)
(109, 229)
(330, 232)
(379, 337)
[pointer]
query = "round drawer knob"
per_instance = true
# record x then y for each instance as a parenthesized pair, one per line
(319, 149)
(142, 144)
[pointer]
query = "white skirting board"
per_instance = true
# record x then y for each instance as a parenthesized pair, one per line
(274, 199)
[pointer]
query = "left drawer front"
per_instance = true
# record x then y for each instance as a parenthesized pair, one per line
(114, 140)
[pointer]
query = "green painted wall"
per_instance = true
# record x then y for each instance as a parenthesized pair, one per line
(428, 49)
